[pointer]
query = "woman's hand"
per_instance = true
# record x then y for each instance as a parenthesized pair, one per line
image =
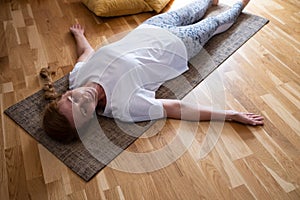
(245, 118)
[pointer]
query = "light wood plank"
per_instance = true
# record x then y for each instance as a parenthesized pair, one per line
(263, 76)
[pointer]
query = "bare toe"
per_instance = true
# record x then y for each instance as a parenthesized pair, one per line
(215, 2)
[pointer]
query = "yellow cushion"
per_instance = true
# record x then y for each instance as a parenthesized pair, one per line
(157, 5)
(108, 8)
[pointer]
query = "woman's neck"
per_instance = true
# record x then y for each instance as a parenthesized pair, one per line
(101, 93)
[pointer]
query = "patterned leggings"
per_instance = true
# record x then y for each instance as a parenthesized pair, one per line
(185, 24)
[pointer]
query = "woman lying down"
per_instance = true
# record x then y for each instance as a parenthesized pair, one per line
(119, 80)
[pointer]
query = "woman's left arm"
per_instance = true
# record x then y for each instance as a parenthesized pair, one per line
(177, 109)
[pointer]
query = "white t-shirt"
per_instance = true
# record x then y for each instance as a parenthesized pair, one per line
(131, 70)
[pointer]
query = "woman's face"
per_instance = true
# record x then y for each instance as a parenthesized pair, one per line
(79, 105)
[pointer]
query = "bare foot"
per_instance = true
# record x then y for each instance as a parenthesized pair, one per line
(215, 2)
(245, 2)
(232, 2)
(247, 118)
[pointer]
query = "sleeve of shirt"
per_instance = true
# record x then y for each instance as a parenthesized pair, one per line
(144, 106)
(73, 74)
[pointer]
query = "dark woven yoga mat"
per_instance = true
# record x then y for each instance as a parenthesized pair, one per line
(28, 112)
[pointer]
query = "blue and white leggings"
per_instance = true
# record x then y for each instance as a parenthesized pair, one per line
(185, 24)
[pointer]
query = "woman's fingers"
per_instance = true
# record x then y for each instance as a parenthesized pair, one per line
(249, 118)
(255, 119)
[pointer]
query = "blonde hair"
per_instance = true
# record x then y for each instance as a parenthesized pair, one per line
(55, 124)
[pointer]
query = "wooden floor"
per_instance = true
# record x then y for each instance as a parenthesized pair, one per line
(245, 163)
